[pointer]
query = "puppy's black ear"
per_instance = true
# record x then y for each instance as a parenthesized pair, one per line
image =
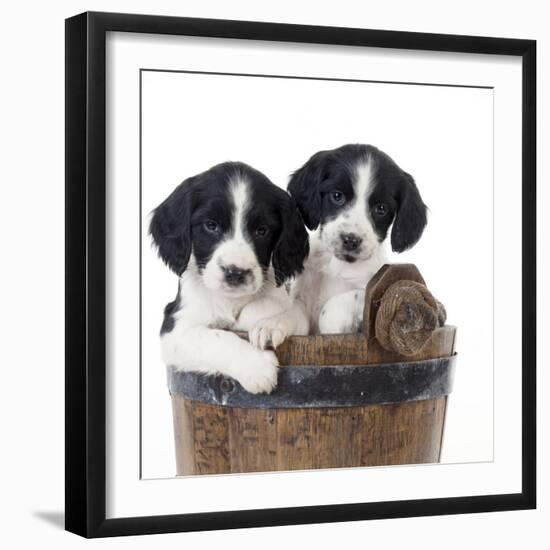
(304, 186)
(170, 227)
(411, 218)
(292, 247)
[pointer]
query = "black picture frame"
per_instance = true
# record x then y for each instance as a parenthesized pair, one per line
(86, 273)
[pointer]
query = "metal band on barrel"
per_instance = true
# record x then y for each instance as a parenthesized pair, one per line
(337, 386)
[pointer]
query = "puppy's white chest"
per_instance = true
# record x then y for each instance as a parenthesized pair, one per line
(338, 277)
(332, 286)
(236, 316)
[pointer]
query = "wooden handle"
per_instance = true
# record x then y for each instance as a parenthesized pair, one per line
(386, 276)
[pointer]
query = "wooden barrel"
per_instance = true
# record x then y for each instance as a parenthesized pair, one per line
(341, 401)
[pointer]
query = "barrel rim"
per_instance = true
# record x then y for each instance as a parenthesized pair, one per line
(312, 386)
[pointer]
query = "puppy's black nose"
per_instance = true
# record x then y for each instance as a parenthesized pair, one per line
(235, 276)
(350, 241)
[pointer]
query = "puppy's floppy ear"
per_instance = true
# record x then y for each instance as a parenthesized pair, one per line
(304, 186)
(292, 247)
(411, 218)
(170, 227)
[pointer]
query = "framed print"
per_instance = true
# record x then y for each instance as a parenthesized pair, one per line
(300, 275)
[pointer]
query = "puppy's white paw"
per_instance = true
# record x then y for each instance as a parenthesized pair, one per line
(342, 314)
(270, 331)
(335, 324)
(257, 371)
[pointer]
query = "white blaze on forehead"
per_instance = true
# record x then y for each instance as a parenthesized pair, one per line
(363, 181)
(363, 174)
(239, 195)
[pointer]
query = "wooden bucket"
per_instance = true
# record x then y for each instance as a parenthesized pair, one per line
(341, 401)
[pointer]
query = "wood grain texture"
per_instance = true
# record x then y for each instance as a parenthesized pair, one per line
(182, 411)
(263, 440)
(402, 433)
(329, 349)
(298, 350)
(296, 441)
(253, 440)
(210, 438)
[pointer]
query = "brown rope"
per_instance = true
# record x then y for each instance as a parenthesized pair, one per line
(407, 316)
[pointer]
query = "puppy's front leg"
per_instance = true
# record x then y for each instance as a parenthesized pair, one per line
(343, 313)
(212, 351)
(271, 319)
(275, 329)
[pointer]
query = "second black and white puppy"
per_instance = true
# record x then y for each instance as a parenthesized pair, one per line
(352, 195)
(233, 238)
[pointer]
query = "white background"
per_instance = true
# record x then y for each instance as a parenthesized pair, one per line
(32, 294)
(442, 135)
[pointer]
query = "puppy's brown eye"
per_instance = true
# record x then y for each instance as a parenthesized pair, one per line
(262, 231)
(380, 209)
(211, 226)
(338, 198)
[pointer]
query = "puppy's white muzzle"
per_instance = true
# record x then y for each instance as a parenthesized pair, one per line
(233, 269)
(349, 241)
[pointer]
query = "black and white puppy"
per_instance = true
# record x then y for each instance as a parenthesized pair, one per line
(233, 238)
(352, 195)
